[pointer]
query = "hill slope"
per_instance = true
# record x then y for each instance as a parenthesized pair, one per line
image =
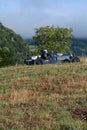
(46, 97)
(79, 46)
(16, 44)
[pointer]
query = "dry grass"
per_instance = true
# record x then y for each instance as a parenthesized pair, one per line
(44, 97)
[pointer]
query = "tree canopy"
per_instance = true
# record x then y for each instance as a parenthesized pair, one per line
(53, 38)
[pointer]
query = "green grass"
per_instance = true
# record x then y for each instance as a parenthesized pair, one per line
(44, 97)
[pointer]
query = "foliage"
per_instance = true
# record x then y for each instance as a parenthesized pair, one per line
(53, 38)
(78, 46)
(44, 97)
(17, 47)
(5, 57)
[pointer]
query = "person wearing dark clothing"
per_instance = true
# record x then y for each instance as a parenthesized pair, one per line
(44, 54)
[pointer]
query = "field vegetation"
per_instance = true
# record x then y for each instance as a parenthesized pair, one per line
(44, 97)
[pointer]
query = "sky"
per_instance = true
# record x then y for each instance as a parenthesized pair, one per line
(23, 16)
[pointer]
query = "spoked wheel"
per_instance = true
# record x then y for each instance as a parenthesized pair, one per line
(38, 62)
(75, 59)
(66, 61)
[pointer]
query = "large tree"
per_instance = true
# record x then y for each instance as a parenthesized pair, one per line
(53, 38)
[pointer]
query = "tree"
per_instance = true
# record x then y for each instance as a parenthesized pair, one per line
(53, 38)
(5, 57)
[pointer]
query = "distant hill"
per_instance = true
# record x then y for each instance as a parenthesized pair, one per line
(29, 41)
(15, 43)
(79, 46)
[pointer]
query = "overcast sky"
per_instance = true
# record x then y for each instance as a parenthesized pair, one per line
(23, 16)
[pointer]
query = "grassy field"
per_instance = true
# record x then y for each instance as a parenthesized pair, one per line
(44, 97)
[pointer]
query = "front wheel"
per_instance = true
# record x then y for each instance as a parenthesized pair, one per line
(75, 59)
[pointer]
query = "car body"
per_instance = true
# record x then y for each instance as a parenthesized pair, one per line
(54, 58)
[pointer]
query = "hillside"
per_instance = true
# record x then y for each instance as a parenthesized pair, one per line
(79, 46)
(44, 97)
(15, 43)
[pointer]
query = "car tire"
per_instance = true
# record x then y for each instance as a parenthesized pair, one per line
(66, 61)
(75, 59)
(39, 62)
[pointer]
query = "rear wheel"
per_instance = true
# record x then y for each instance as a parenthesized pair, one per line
(39, 62)
(66, 61)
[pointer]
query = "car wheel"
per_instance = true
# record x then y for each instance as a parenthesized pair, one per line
(75, 59)
(39, 62)
(66, 61)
